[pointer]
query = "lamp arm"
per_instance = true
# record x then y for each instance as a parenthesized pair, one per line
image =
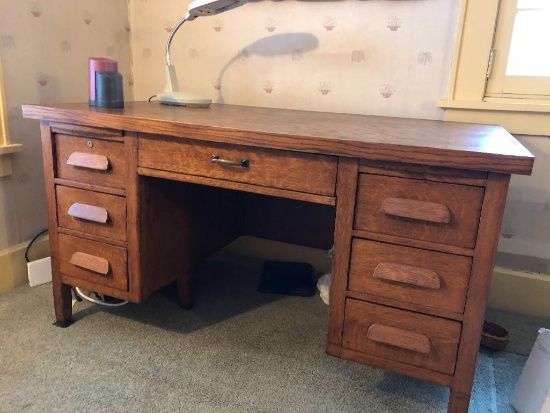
(172, 33)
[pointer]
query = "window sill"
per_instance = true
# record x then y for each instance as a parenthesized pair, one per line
(515, 115)
(5, 158)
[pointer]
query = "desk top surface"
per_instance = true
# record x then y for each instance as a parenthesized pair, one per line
(451, 144)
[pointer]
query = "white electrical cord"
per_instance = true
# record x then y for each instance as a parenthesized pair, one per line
(99, 302)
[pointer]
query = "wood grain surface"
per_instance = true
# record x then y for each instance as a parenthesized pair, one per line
(442, 335)
(453, 273)
(76, 209)
(93, 161)
(463, 203)
(426, 142)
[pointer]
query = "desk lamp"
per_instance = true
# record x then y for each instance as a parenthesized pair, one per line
(172, 95)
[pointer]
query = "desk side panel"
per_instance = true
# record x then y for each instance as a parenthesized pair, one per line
(346, 188)
(61, 292)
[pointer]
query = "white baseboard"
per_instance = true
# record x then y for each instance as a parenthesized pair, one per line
(521, 292)
(13, 265)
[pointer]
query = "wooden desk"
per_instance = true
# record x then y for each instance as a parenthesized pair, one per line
(138, 196)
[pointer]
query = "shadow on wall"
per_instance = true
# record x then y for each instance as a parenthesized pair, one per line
(276, 45)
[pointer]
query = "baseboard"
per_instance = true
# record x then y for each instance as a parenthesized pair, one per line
(13, 265)
(280, 251)
(520, 292)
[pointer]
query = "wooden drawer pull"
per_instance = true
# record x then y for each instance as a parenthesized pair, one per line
(90, 262)
(397, 337)
(88, 212)
(89, 161)
(407, 274)
(410, 208)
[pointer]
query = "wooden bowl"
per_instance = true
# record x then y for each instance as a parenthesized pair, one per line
(494, 337)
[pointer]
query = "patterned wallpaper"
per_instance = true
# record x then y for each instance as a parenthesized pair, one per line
(44, 45)
(381, 57)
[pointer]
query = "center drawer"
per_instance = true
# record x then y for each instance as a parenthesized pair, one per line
(309, 173)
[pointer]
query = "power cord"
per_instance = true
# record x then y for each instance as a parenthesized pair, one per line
(32, 242)
(99, 299)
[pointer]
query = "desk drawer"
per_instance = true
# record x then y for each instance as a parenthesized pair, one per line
(411, 275)
(92, 212)
(402, 336)
(309, 173)
(90, 160)
(412, 208)
(94, 262)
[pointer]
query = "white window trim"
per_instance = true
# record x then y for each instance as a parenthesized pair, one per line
(6, 147)
(466, 101)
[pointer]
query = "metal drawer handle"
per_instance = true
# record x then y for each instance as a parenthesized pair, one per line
(90, 262)
(89, 161)
(420, 210)
(88, 212)
(407, 274)
(397, 337)
(243, 162)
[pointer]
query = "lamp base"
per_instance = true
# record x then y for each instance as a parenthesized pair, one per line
(184, 99)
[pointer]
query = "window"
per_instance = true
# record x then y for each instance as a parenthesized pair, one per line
(5, 146)
(521, 52)
(501, 64)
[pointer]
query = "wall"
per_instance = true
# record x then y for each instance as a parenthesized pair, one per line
(525, 236)
(378, 57)
(44, 45)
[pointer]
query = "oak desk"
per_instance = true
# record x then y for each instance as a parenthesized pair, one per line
(137, 197)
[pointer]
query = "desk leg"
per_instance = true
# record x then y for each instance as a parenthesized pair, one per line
(458, 402)
(62, 300)
(184, 285)
(478, 291)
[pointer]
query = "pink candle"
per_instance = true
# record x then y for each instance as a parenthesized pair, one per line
(97, 64)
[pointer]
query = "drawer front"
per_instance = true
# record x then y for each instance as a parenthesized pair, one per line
(309, 173)
(402, 336)
(90, 160)
(91, 212)
(411, 208)
(94, 262)
(411, 275)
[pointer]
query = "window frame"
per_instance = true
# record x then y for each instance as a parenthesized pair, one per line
(6, 147)
(499, 84)
(466, 100)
